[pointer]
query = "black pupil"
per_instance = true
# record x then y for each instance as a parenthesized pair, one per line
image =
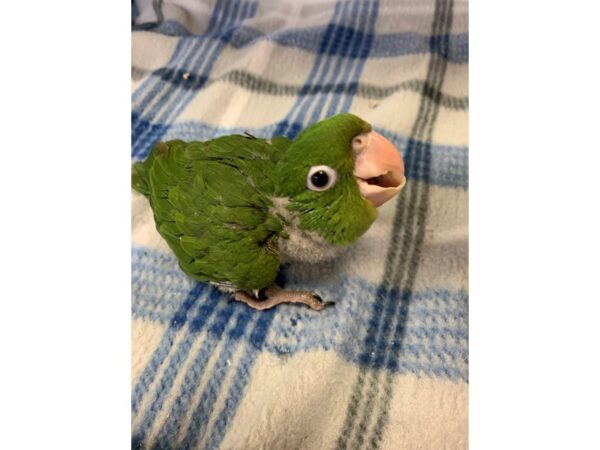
(319, 179)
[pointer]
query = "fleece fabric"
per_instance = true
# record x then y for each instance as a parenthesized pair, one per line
(387, 366)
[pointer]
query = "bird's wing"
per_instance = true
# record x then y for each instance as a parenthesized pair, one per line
(211, 204)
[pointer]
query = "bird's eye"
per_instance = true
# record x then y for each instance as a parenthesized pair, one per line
(321, 178)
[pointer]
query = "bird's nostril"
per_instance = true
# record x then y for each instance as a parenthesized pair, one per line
(360, 142)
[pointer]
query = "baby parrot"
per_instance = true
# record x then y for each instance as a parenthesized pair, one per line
(234, 207)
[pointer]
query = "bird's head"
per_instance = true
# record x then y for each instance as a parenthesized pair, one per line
(336, 173)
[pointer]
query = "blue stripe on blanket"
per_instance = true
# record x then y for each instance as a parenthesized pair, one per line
(225, 328)
(345, 45)
(212, 308)
(449, 164)
(435, 335)
(135, 12)
(159, 102)
(365, 51)
(435, 343)
(289, 126)
(309, 38)
(253, 329)
(222, 338)
(176, 322)
(240, 379)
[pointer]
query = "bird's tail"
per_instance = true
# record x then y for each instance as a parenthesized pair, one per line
(139, 178)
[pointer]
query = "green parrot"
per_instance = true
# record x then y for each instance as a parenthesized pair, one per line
(234, 208)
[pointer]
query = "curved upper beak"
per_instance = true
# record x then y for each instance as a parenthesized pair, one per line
(378, 167)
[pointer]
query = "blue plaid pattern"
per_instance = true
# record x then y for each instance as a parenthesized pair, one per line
(401, 297)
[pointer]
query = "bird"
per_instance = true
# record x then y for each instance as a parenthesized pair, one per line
(235, 208)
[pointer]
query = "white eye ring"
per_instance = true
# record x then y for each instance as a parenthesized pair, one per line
(321, 178)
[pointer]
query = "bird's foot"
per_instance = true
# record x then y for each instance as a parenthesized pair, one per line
(274, 295)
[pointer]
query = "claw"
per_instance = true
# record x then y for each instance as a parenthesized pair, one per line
(319, 305)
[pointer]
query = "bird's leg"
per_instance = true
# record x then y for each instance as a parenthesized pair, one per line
(274, 295)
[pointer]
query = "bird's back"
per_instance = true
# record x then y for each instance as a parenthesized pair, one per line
(211, 203)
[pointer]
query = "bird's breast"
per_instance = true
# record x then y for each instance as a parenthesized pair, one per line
(302, 245)
(306, 246)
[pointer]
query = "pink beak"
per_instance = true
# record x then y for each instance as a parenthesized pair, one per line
(378, 167)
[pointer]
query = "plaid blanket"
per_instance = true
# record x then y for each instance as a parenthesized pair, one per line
(387, 367)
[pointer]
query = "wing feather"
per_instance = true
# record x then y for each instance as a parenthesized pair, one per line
(211, 204)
